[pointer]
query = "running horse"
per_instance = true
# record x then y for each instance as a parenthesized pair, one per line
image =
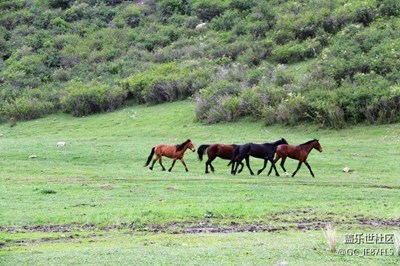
(299, 153)
(264, 151)
(175, 152)
(216, 150)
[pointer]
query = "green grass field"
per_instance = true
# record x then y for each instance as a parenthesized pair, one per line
(92, 201)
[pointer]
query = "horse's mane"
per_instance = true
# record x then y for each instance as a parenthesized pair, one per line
(180, 147)
(308, 142)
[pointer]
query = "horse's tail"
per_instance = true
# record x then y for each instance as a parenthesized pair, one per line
(150, 156)
(201, 150)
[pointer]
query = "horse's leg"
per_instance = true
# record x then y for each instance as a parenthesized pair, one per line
(262, 169)
(208, 163)
(212, 167)
(154, 161)
(236, 164)
(309, 168)
(160, 162)
(232, 167)
(173, 163)
(298, 167)
(273, 165)
(184, 164)
(207, 167)
(277, 157)
(283, 165)
(241, 167)
(248, 164)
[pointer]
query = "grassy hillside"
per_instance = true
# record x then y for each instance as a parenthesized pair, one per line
(93, 201)
(91, 56)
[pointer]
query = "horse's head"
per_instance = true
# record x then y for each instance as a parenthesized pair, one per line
(283, 141)
(190, 145)
(317, 146)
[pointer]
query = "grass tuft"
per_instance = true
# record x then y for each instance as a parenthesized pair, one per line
(48, 191)
(331, 236)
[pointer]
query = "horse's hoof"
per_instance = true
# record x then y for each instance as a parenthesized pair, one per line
(169, 170)
(259, 172)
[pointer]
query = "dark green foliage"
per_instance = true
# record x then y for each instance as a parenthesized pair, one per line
(83, 99)
(389, 7)
(206, 10)
(90, 56)
(26, 108)
(167, 82)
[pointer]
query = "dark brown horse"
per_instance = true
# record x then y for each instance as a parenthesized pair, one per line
(217, 150)
(299, 153)
(175, 152)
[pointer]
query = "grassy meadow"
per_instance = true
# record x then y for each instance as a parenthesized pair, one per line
(93, 202)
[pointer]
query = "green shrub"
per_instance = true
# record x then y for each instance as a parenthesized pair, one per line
(83, 99)
(129, 15)
(292, 110)
(258, 101)
(217, 102)
(242, 5)
(226, 21)
(206, 10)
(170, 7)
(294, 51)
(27, 108)
(166, 82)
(389, 7)
(26, 69)
(63, 4)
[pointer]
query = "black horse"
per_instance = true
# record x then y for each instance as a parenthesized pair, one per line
(264, 151)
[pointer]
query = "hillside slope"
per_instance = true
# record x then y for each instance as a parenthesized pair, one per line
(232, 57)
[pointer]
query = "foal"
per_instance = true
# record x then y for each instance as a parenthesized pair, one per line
(299, 153)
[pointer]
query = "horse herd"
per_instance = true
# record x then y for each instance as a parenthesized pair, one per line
(237, 153)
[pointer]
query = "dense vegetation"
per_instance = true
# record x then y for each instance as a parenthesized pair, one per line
(90, 56)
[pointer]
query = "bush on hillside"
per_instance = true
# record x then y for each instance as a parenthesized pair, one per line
(167, 82)
(83, 99)
(206, 10)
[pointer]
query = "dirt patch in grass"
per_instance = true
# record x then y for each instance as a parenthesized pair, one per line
(49, 228)
(379, 222)
(213, 226)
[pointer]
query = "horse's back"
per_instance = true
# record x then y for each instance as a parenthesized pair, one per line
(164, 149)
(225, 151)
(292, 151)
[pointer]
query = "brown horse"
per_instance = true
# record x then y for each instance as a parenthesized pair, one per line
(299, 153)
(175, 152)
(217, 150)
